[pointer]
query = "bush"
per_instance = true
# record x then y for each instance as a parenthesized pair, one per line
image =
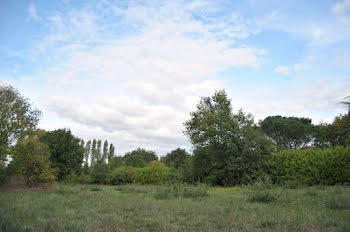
(311, 166)
(155, 173)
(31, 162)
(121, 175)
(99, 173)
(73, 178)
(261, 191)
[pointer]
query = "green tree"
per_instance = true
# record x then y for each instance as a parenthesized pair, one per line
(288, 132)
(111, 152)
(176, 158)
(16, 115)
(139, 157)
(336, 133)
(93, 152)
(66, 152)
(105, 150)
(115, 162)
(228, 148)
(31, 162)
(87, 151)
(98, 150)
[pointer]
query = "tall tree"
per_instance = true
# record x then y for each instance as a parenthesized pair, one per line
(288, 132)
(87, 151)
(66, 152)
(16, 116)
(228, 148)
(98, 151)
(111, 152)
(93, 152)
(105, 150)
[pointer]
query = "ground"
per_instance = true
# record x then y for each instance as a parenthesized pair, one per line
(137, 208)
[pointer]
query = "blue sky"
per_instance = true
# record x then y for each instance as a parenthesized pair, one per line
(131, 71)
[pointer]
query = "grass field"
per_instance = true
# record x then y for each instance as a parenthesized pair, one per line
(144, 208)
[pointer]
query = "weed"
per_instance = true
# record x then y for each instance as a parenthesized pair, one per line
(260, 191)
(178, 190)
(95, 189)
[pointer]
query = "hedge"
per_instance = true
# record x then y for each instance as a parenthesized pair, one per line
(311, 166)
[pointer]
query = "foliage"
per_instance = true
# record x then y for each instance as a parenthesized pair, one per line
(337, 133)
(115, 162)
(66, 152)
(87, 151)
(111, 152)
(134, 161)
(311, 166)
(3, 173)
(261, 191)
(17, 115)
(139, 157)
(228, 148)
(99, 172)
(179, 190)
(176, 158)
(31, 162)
(121, 175)
(288, 132)
(73, 178)
(154, 173)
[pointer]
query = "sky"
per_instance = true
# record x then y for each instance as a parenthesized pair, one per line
(132, 71)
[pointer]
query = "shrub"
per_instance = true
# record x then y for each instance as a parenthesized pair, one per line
(261, 191)
(121, 175)
(311, 166)
(99, 173)
(154, 173)
(73, 178)
(31, 162)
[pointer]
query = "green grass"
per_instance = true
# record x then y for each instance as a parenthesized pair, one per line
(137, 208)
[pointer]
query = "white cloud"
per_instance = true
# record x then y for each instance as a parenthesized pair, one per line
(342, 10)
(136, 89)
(32, 13)
(283, 70)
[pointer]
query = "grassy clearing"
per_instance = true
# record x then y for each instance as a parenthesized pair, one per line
(139, 208)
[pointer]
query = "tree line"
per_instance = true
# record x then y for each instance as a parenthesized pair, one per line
(229, 148)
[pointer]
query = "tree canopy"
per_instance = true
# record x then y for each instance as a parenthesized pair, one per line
(66, 152)
(228, 148)
(139, 157)
(176, 158)
(16, 115)
(288, 132)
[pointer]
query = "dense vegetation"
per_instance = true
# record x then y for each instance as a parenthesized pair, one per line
(229, 148)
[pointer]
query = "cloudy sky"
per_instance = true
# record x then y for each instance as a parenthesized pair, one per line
(131, 71)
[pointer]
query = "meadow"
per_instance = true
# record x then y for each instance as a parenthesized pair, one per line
(67, 207)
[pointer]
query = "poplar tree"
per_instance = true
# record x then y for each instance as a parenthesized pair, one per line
(93, 153)
(105, 150)
(110, 152)
(87, 151)
(98, 152)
